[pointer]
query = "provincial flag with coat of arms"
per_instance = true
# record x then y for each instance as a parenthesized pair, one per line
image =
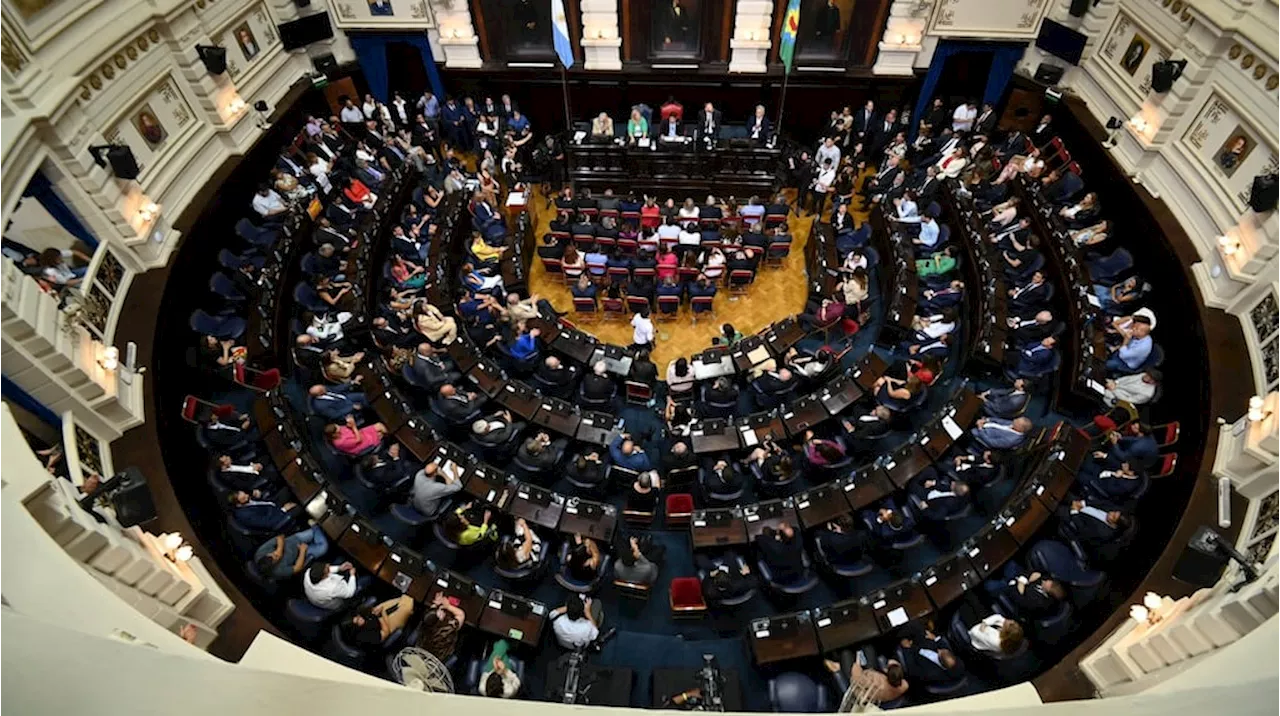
(790, 25)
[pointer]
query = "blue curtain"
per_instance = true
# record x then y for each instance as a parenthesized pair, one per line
(41, 189)
(12, 391)
(371, 51)
(1004, 57)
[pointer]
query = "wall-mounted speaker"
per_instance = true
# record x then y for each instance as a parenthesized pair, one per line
(325, 64)
(1164, 73)
(1265, 192)
(213, 57)
(123, 165)
(1049, 74)
(1201, 562)
(1078, 8)
(302, 3)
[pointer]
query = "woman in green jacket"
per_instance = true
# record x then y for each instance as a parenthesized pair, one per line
(637, 126)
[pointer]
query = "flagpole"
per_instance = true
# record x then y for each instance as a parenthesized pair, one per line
(782, 105)
(568, 124)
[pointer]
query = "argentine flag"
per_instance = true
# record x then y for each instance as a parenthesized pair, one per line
(560, 34)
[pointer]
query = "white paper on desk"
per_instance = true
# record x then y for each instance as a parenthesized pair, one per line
(897, 617)
(825, 621)
(578, 136)
(749, 437)
(699, 523)
(753, 518)
(762, 633)
(879, 604)
(1099, 388)
(515, 198)
(642, 142)
(491, 495)
(951, 427)
(451, 469)
(758, 355)
(803, 505)
(1093, 300)
(495, 605)
(930, 581)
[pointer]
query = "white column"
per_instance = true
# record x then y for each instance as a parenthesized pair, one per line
(752, 37)
(458, 36)
(903, 38)
(600, 40)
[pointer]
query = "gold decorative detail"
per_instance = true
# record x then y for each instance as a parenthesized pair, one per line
(143, 44)
(10, 54)
(1260, 71)
(1273, 81)
(1165, 2)
(199, 4)
(107, 71)
(131, 52)
(89, 451)
(1234, 52)
(1247, 62)
(95, 82)
(85, 92)
(1186, 16)
(120, 60)
(1177, 7)
(153, 35)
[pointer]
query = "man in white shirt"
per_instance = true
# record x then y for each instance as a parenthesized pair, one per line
(642, 334)
(828, 150)
(669, 231)
(929, 232)
(962, 119)
(268, 203)
(329, 587)
(576, 623)
(1136, 389)
(351, 114)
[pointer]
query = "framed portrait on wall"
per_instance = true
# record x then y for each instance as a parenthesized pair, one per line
(520, 30)
(1135, 53)
(1234, 151)
(247, 42)
(824, 29)
(149, 127)
(675, 30)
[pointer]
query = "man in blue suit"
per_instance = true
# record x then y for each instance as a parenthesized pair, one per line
(1131, 444)
(1035, 358)
(1001, 434)
(1005, 401)
(254, 513)
(625, 453)
(336, 403)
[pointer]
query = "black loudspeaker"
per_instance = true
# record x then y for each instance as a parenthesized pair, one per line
(302, 3)
(1079, 8)
(131, 498)
(123, 165)
(325, 64)
(213, 57)
(1201, 562)
(1164, 73)
(1265, 192)
(1049, 74)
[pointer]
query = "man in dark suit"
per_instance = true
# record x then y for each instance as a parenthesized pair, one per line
(1035, 358)
(929, 187)
(1043, 132)
(671, 128)
(728, 577)
(985, 124)
(337, 402)
(938, 497)
(869, 426)
(775, 382)
(597, 385)
(1032, 330)
(783, 551)
(709, 122)
(721, 391)
(928, 658)
(541, 452)
(387, 469)
(430, 371)
(880, 134)
(889, 525)
(864, 120)
(456, 406)
(1093, 525)
(254, 513)
(948, 297)
(721, 477)
(1003, 402)
(883, 179)
(554, 373)
(758, 126)
(1034, 595)
(494, 431)
(678, 457)
(842, 542)
(1027, 299)
(978, 469)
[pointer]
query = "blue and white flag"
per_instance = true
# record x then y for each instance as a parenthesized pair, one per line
(560, 34)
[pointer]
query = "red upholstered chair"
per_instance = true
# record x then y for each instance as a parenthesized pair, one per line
(679, 509)
(686, 597)
(585, 309)
(1166, 434)
(552, 267)
(614, 309)
(638, 393)
(637, 303)
(635, 590)
(1167, 466)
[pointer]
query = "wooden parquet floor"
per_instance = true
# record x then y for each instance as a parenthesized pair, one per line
(776, 293)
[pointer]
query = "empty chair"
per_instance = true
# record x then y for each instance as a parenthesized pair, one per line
(261, 237)
(232, 261)
(225, 288)
(1112, 267)
(1059, 561)
(802, 583)
(794, 692)
(307, 297)
(685, 597)
(309, 620)
(837, 567)
(220, 327)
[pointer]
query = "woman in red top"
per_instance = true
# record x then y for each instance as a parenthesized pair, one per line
(668, 262)
(359, 193)
(650, 214)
